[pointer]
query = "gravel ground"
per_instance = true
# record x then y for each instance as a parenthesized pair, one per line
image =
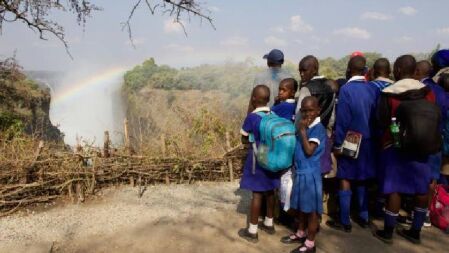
(203, 217)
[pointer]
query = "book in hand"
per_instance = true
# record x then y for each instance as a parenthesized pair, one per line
(351, 144)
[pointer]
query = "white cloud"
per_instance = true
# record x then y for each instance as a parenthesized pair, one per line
(214, 9)
(298, 25)
(235, 41)
(277, 29)
(408, 10)
(179, 48)
(443, 31)
(170, 26)
(353, 32)
(403, 39)
(275, 42)
(375, 16)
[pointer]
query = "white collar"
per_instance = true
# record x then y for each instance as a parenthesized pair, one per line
(290, 100)
(425, 78)
(441, 72)
(356, 78)
(315, 122)
(317, 77)
(403, 86)
(262, 109)
(381, 78)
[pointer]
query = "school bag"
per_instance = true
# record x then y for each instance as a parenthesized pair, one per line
(419, 122)
(277, 143)
(439, 208)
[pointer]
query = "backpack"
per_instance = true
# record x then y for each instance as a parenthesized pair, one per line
(277, 143)
(419, 124)
(326, 97)
(439, 208)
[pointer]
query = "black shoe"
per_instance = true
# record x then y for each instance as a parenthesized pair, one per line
(289, 240)
(402, 219)
(338, 226)
(361, 222)
(304, 250)
(245, 234)
(268, 229)
(411, 235)
(384, 236)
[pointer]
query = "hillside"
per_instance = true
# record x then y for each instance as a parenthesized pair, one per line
(24, 106)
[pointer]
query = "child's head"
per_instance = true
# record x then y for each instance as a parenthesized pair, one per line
(287, 89)
(310, 108)
(260, 96)
(381, 68)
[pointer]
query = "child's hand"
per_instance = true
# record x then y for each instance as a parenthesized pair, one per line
(304, 123)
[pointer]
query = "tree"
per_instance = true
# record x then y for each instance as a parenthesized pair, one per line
(37, 14)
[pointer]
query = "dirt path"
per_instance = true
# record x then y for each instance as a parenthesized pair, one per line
(177, 218)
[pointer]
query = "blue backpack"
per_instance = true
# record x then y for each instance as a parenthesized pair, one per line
(277, 143)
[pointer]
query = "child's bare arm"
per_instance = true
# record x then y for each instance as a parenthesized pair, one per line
(308, 146)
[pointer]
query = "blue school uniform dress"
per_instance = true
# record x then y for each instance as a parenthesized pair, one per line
(400, 172)
(307, 192)
(285, 109)
(261, 180)
(436, 160)
(355, 112)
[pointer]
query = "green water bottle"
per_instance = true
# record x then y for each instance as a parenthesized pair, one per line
(394, 128)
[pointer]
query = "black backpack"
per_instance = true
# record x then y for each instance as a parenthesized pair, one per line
(419, 123)
(320, 89)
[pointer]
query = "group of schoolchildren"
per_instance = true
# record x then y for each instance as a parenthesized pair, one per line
(373, 128)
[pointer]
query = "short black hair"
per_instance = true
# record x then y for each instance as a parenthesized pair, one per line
(357, 64)
(261, 94)
(407, 64)
(312, 59)
(381, 67)
(292, 83)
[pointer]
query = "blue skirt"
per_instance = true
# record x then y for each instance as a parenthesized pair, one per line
(307, 192)
(326, 159)
(362, 168)
(262, 180)
(403, 173)
(435, 162)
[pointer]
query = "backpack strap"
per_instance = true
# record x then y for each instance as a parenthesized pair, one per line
(252, 140)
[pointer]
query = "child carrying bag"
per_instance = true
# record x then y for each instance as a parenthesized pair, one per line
(277, 143)
(439, 208)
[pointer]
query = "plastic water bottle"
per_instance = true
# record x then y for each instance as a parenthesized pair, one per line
(394, 128)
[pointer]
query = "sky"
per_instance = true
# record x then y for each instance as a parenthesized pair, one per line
(244, 29)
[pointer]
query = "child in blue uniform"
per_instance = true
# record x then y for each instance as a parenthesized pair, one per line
(307, 193)
(261, 182)
(286, 105)
(399, 171)
(355, 112)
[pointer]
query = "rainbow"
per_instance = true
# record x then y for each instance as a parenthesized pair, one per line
(77, 88)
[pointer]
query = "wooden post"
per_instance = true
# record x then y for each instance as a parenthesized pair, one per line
(107, 141)
(80, 192)
(228, 148)
(163, 145)
(127, 140)
(28, 169)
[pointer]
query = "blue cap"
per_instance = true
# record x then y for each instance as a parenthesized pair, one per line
(275, 56)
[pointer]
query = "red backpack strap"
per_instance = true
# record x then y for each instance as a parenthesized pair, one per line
(394, 104)
(430, 97)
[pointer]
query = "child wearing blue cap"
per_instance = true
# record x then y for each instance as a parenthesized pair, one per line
(259, 181)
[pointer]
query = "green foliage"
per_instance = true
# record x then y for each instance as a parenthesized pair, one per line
(10, 124)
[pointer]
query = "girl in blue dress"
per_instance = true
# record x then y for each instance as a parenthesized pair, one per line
(307, 193)
(255, 179)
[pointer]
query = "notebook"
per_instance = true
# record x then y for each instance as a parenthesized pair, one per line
(351, 144)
